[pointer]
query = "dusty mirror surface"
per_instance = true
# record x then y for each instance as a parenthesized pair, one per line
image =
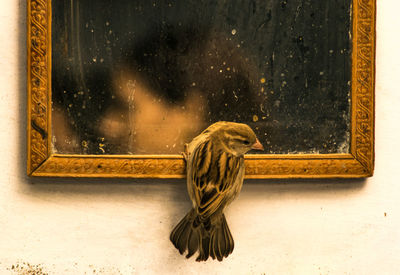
(145, 77)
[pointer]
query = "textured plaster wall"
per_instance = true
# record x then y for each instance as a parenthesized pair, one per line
(71, 226)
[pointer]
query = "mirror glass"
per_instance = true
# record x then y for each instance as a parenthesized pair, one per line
(145, 77)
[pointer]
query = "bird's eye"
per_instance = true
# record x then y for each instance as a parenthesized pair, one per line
(246, 142)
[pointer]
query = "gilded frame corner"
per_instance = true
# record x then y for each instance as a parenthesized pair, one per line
(42, 162)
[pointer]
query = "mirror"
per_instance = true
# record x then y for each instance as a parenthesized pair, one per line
(139, 78)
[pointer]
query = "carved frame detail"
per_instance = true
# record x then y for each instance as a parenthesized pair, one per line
(42, 162)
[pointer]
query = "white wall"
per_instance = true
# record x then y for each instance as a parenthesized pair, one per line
(69, 226)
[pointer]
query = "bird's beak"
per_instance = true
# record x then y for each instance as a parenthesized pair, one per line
(257, 145)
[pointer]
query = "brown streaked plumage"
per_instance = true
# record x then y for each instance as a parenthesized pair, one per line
(215, 172)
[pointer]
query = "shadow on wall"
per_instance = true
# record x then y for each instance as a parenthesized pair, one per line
(73, 187)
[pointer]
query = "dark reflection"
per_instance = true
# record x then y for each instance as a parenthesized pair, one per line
(145, 77)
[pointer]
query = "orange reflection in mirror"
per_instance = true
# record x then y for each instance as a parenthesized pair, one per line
(151, 125)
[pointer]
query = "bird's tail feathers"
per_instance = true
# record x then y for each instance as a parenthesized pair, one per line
(210, 239)
(220, 242)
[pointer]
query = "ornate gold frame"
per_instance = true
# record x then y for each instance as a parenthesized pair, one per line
(42, 162)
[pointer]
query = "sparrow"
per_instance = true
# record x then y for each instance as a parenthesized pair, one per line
(215, 172)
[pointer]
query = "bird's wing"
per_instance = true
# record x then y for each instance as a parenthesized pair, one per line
(213, 173)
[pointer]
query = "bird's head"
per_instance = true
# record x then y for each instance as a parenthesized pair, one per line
(236, 138)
